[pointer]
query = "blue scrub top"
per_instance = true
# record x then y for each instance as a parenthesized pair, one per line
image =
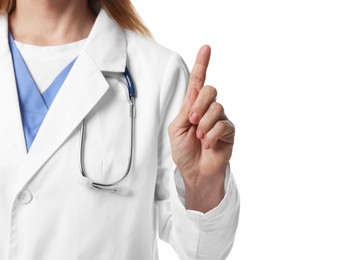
(33, 104)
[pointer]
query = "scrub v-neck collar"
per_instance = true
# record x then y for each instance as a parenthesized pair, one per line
(33, 104)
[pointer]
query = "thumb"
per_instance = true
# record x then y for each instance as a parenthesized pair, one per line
(182, 119)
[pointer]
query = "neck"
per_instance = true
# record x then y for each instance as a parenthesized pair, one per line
(51, 22)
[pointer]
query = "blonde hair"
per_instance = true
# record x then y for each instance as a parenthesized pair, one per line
(122, 11)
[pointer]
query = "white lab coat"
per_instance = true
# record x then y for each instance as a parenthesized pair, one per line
(47, 211)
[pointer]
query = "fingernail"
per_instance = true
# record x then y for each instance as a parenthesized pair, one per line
(206, 145)
(200, 134)
(194, 118)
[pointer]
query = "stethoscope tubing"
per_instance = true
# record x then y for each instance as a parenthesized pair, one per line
(111, 187)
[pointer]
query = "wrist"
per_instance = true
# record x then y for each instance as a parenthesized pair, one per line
(204, 193)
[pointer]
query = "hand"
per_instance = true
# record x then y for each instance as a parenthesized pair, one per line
(202, 138)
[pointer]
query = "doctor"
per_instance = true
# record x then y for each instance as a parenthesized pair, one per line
(86, 101)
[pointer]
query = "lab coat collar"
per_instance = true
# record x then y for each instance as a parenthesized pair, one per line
(11, 131)
(106, 44)
(4, 47)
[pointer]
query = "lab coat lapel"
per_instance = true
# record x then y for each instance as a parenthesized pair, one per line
(11, 132)
(85, 85)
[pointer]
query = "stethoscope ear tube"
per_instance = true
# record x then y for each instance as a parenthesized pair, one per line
(131, 86)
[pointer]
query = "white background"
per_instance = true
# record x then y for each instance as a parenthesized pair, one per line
(277, 67)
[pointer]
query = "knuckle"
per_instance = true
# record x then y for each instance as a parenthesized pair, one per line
(197, 78)
(211, 138)
(217, 108)
(221, 125)
(230, 128)
(225, 128)
(211, 91)
(203, 125)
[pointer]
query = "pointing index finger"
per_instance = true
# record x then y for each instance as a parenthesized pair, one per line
(198, 74)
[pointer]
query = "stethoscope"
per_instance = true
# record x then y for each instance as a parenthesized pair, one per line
(111, 187)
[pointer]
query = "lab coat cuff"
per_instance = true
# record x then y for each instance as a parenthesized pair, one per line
(206, 235)
(229, 202)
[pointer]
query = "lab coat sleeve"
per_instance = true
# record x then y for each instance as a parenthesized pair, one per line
(193, 235)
